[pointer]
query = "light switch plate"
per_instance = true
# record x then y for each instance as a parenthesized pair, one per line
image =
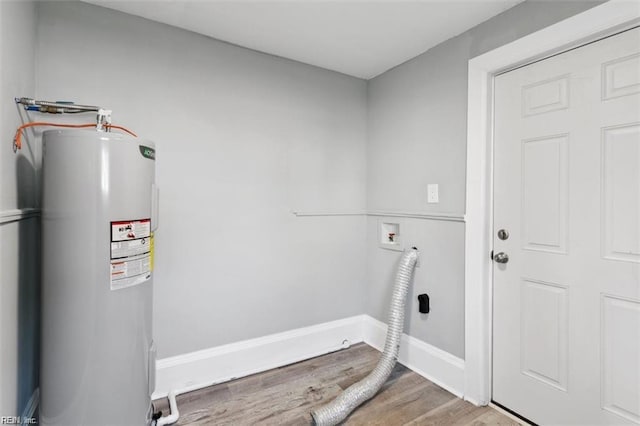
(432, 193)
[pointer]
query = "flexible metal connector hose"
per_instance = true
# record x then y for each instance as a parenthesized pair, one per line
(338, 409)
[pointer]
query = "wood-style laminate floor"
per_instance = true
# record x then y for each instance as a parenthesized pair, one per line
(286, 396)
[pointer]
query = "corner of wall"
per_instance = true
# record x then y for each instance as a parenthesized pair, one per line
(19, 281)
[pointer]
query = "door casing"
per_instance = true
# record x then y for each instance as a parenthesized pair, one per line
(600, 21)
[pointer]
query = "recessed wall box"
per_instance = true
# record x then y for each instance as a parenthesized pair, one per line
(389, 236)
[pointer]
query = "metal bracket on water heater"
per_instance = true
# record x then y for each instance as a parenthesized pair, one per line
(103, 120)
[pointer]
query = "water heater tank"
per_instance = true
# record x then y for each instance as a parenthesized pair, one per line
(98, 216)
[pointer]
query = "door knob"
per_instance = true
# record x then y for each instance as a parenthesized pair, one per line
(501, 257)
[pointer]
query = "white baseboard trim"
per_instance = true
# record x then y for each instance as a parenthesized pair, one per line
(436, 365)
(195, 370)
(30, 410)
(475, 402)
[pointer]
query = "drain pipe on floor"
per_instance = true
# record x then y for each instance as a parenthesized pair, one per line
(173, 407)
(337, 410)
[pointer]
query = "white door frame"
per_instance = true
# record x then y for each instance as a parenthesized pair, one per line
(589, 25)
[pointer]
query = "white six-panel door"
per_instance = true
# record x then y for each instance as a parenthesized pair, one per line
(566, 337)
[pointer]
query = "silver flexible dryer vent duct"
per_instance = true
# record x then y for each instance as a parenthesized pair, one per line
(338, 409)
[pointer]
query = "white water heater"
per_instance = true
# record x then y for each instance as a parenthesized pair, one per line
(98, 217)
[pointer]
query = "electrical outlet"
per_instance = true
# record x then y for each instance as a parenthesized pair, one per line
(432, 193)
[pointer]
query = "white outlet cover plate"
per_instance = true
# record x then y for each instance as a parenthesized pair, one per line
(432, 193)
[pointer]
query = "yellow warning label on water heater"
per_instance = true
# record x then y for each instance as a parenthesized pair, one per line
(151, 252)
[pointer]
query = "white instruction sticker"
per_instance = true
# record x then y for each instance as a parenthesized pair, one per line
(130, 230)
(130, 253)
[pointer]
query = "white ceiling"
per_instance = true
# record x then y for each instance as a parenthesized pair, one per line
(362, 38)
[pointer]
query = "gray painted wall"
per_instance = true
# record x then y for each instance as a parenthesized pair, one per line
(416, 136)
(242, 139)
(19, 254)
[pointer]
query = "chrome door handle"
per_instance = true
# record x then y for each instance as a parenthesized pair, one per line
(501, 257)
